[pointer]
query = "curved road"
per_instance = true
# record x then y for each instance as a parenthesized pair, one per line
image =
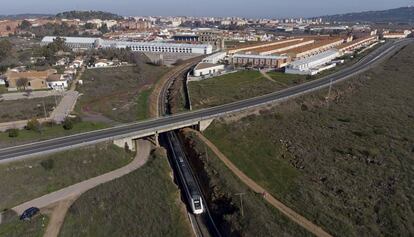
(63, 143)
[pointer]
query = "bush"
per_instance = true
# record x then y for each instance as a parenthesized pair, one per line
(13, 132)
(47, 164)
(67, 124)
(33, 125)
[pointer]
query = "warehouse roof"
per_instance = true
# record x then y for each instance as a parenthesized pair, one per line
(316, 57)
(74, 40)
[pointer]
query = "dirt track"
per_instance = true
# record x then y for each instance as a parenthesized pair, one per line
(291, 214)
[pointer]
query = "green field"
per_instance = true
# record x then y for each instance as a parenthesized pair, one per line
(119, 94)
(143, 203)
(229, 88)
(25, 180)
(47, 132)
(13, 227)
(347, 165)
(259, 218)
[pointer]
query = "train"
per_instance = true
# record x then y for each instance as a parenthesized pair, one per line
(192, 192)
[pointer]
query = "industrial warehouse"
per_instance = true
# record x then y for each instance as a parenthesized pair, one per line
(81, 43)
(306, 55)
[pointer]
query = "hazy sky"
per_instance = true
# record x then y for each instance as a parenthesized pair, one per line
(247, 8)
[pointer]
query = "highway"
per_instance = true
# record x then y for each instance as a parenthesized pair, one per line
(68, 142)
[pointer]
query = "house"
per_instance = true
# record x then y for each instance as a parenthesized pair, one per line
(103, 63)
(34, 80)
(57, 82)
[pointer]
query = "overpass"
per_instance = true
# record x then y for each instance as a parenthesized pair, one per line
(125, 134)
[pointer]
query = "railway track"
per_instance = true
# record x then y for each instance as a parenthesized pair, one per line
(203, 224)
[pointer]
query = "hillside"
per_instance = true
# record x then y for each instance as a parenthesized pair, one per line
(397, 15)
(88, 15)
(23, 16)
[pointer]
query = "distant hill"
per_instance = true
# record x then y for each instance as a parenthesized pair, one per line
(88, 15)
(24, 16)
(398, 15)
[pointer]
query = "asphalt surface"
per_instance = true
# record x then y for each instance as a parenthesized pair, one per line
(58, 144)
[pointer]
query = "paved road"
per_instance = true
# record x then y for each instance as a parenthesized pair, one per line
(111, 133)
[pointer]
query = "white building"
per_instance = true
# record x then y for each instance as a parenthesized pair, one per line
(73, 42)
(215, 58)
(154, 47)
(57, 82)
(396, 35)
(314, 64)
(207, 69)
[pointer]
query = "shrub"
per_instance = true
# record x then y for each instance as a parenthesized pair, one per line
(67, 124)
(47, 164)
(13, 132)
(33, 125)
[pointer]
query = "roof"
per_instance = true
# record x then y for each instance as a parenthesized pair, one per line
(54, 77)
(355, 42)
(73, 40)
(281, 46)
(11, 75)
(152, 44)
(205, 65)
(310, 47)
(316, 57)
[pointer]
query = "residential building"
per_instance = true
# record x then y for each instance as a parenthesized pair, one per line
(57, 82)
(36, 80)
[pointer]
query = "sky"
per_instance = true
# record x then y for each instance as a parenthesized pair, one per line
(243, 8)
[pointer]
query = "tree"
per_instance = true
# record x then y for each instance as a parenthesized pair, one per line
(13, 132)
(67, 124)
(33, 125)
(89, 26)
(22, 82)
(25, 25)
(104, 29)
(5, 48)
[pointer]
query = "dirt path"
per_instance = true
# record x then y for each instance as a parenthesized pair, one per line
(271, 79)
(143, 148)
(57, 216)
(291, 214)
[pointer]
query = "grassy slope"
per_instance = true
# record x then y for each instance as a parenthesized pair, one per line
(24, 180)
(17, 228)
(143, 203)
(260, 219)
(48, 132)
(348, 167)
(229, 88)
(119, 93)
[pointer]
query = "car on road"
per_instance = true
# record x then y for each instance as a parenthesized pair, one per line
(29, 213)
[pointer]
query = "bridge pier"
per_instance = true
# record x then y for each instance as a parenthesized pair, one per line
(126, 143)
(203, 124)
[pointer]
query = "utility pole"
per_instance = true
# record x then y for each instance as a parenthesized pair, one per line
(329, 93)
(44, 108)
(205, 150)
(241, 202)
